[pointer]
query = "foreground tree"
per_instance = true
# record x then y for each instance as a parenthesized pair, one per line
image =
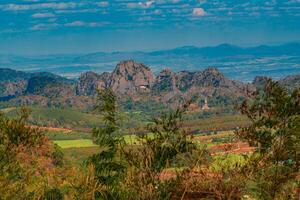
(107, 163)
(165, 146)
(28, 160)
(275, 133)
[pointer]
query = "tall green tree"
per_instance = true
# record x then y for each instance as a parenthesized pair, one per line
(107, 164)
(164, 146)
(275, 134)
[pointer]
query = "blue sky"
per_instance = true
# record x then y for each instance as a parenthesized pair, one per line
(81, 26)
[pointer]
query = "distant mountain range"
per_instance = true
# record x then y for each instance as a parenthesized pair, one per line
(130, 80)
(235, 62)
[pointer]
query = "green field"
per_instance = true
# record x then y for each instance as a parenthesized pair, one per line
(7, 110)
(74, 143)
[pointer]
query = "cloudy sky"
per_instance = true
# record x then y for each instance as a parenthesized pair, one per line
(81, 26)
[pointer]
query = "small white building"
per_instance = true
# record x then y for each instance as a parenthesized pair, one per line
(143, 87)
(205, 106)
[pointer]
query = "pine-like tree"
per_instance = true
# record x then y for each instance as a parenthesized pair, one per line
(108, 167)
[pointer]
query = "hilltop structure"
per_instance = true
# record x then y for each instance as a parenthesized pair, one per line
(205, 106)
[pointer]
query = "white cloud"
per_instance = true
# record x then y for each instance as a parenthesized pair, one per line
(85, 24)
(39, 6)
(43, 26)
(199, 12)
(75, 23)
(43, 15)
(94, 10)
(97, 24)
(146, 4)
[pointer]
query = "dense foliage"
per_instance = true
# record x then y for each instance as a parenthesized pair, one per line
(165, 161)
(275, 134)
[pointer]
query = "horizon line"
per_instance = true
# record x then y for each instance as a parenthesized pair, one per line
(155, 50)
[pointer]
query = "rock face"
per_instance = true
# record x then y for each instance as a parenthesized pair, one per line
(291, 82)
(165, 82)
(184, 80)
(131, 78)
(12, 83)
(175, 87)
(260, 81)
(10, 89)
(89, 82)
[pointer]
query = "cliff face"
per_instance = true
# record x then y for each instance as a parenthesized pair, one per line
(12, 83)
(165, 82)
(131, 78)
(89, 82)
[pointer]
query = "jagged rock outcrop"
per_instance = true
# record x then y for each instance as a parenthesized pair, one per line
(12, 83)
(260, 81)
(136, 81)
(89, 82)
(210, 77)
(176, 87)
(10, 89)
(131, 78)
(184, 80)
(167, 87)
(165, 82)
(291, 82)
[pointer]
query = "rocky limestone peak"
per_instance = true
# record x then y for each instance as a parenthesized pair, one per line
(291, 79)
(129, 77)
(165, 81)
(89, 75)
(210, 77)
(260, 81)
(89, 82)
(166, 72)
(212, 72)
(130, 65)
(184, 80)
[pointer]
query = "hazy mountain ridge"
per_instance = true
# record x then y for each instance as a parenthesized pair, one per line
(239, 63)
(130, 79)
